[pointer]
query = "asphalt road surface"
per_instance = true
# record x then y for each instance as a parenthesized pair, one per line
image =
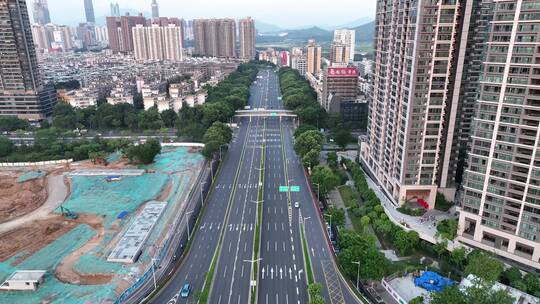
(232, 209)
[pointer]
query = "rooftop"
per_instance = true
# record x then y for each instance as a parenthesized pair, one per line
(405, 288)
(26, 275)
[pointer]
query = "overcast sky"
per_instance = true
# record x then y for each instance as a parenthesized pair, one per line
(285, 13)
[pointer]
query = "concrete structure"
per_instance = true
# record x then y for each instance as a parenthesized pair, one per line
(339, 54)
(214, 37)
(22, 92)
(412, 110)
(24, 280)
(313, 57)
(347, 38)
(40, 12)
(298, 60)
(89, 11)
(130, 245)
(119, 30)
(500, 210)
(247, 36)
(402, 288)
(155, 9)
(338, 82)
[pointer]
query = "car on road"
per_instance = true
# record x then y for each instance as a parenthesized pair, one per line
(184, 293)
(296, 205)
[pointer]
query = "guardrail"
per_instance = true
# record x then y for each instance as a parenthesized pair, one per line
(37, 164)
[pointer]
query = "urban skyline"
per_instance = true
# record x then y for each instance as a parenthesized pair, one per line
(284, 19)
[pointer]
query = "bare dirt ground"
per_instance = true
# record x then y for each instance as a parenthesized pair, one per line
(18, 199)
(66, 272)
(32, 237)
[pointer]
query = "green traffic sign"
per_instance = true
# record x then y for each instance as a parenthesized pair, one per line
(274, 114)
(295, 188)
(283, 189)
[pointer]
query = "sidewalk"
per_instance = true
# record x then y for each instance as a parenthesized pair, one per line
(335, 198)
(426, 230)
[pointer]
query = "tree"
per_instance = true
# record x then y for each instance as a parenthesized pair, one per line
(311, 158)
(440, 247)
(364, 221)
(324, 178)
(417, 300)
(216, 136)
(532, 283)
(308, 141)
(511, 275)
(447, 229)
(449, 295)
(342, 137)
(64, 116)
(138, 101)
(458, 256)
(12, 123)
(304, 128)
(405, 241)
(144, 153)
(6, 147)
(150, 119)
(332, 159)
(484, 266)
(169, 118)
(337, 216)
(482, 292)
(361, 248)
(216, 111)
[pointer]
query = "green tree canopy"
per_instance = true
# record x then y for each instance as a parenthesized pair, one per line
(484, 266)
(324, 178)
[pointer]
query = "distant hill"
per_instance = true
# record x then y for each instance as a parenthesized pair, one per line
(263, 27)
(365, 32)
(352, 24)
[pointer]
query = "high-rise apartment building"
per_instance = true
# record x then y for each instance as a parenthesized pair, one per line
(339, 54)
(155, 9)
(412, 110)
(157, 42)
(346, 37)
(313, 57)
(40, 12)
(119, 30)
(500, 211)
(21, 91)
(214, 37)
(247, 33)
(115, 9)
(89, 11)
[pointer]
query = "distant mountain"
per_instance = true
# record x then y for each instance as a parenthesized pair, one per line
(263, 27)
(365, 32)
(352, 24)
(316, 33)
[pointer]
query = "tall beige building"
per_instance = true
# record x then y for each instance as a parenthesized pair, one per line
(339, 54)
(500, 211)
(158, 43)
(247, 38)
(214, 37)
(313, 57)
(348, 38)
(417, 44)
(154, 39)
(173, 43)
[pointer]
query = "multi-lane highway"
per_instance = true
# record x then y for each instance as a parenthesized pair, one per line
(231, 216)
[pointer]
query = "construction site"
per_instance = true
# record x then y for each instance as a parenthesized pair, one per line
(80, 223)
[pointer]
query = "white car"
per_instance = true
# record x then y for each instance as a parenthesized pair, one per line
(296, 205)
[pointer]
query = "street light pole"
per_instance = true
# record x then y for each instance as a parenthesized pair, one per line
(154, 272)
(357, 275)
(329, 215)
(187, 224)
(224, 145)
(202, 198)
